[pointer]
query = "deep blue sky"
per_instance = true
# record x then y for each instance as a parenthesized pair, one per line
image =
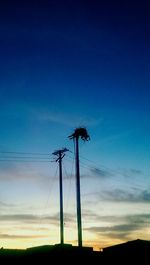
(78, 63)
(103, 48)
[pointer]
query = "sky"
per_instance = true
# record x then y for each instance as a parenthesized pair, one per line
(63, 65)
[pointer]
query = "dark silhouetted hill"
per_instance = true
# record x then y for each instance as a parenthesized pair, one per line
(133, 251)
(136, 250)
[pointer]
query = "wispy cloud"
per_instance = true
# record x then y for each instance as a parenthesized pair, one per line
(6, 205)
(114, 137)
(119, 195)
(13, 236)
(128, 224)
(116, 228)
(90, 215)
(68, 119)
(132, 172)
(129, 218)
(13, 171)
(100, 173)
(103, 172)
(26, 218)
(26, 226)
(136, 171)
(34, 219)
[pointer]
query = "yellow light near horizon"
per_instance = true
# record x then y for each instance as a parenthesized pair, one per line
(22, 237)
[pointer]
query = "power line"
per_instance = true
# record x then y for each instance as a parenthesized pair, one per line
(14, 156)
(23, 157)
(25, 161)
(114, 171)
(48, 197)
(69, 159)
(81, 162)
(109, 171)
(69, 177)
(99, 167)
(23, 153)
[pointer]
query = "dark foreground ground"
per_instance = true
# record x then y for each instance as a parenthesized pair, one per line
(137, 251)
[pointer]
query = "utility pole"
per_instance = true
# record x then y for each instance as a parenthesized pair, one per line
(78, 196)
(60, 155)
(79, 133)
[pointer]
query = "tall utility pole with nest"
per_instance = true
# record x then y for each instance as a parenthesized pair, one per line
(79, 133)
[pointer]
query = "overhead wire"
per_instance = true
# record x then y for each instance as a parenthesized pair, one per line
(110, 171)
(52, 181)
(7, 157)
(26, 161)
(100, 166)
(70, 178)
(18, 158)
(23, 153)
(26, 157)
(29, 157)
(15, 158)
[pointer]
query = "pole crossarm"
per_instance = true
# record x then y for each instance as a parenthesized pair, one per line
(60, 152)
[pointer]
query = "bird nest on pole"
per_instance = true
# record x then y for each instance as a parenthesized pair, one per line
(80, 132)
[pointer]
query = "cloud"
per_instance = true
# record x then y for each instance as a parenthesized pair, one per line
(128, 224)
(98, 173)
(29, 219)
(29, 223)
(132, 172)
(116, 232)
(20, 217)
(113, 138)
(68, 119)
(34, 219)
(136, 171)
(6, 205)
(10, 171)
(136, 218)
(101, 173)
(119, 195)
(116, 228)
(90, 215)
(12, 236)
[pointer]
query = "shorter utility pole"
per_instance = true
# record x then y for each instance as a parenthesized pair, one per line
(60, 155)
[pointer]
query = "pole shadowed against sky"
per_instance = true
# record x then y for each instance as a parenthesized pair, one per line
(65, 64)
